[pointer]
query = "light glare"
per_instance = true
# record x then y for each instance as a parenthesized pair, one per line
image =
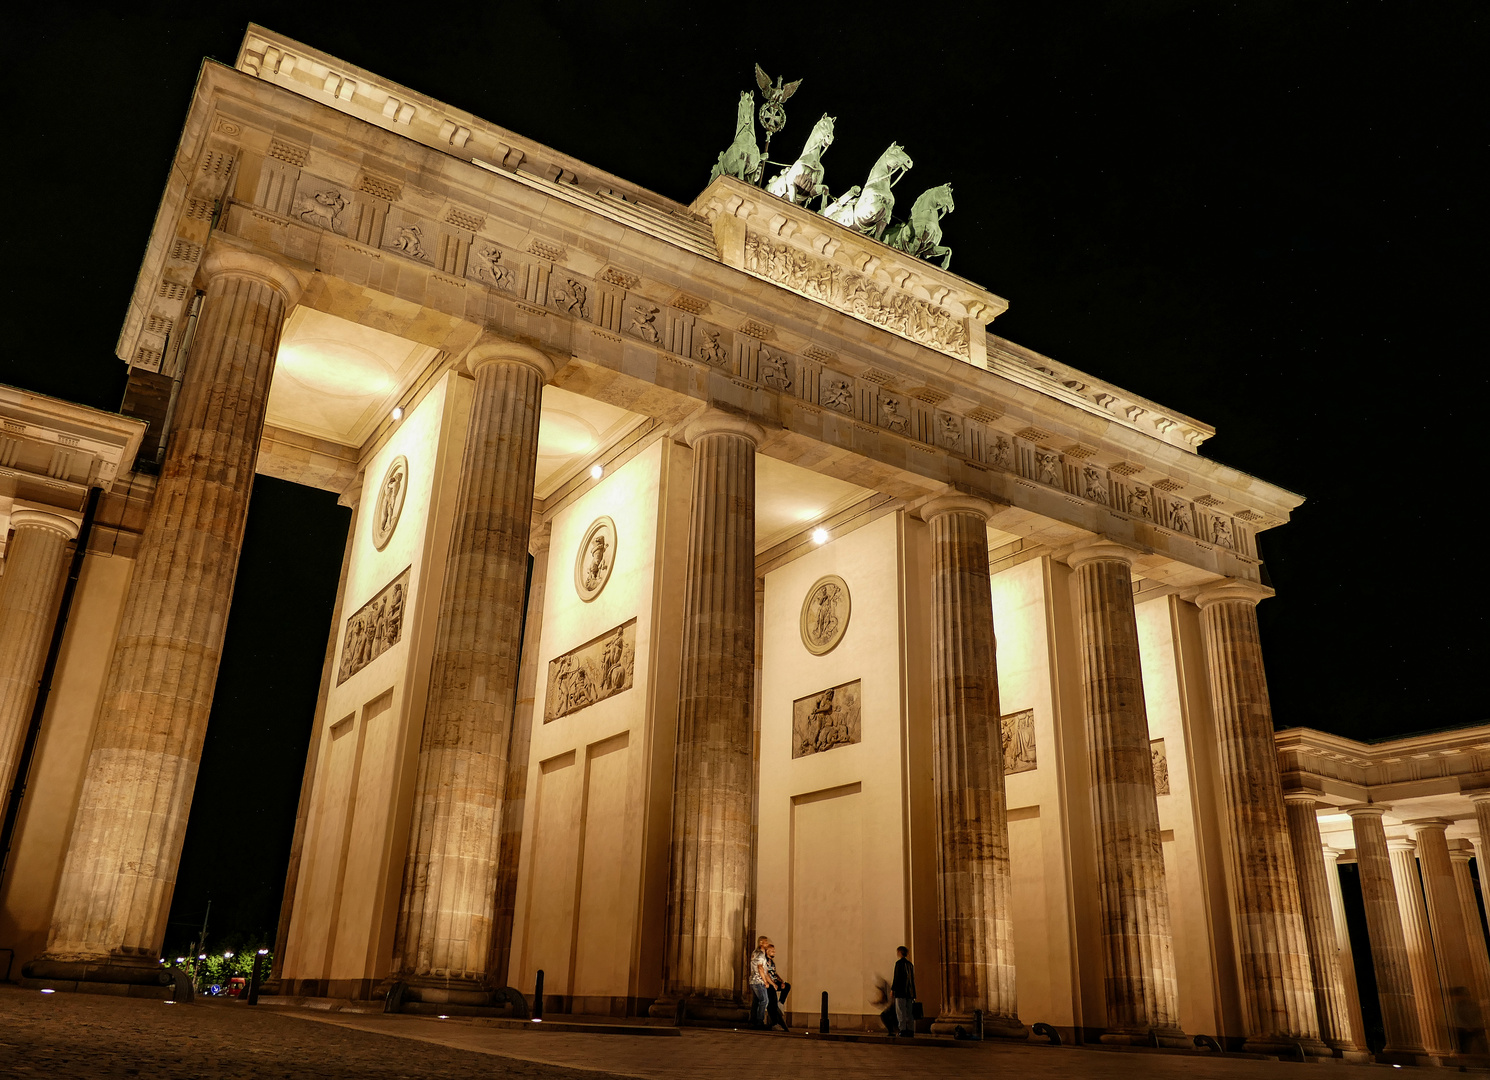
(819, 536)
(597, 471)
(398, 412)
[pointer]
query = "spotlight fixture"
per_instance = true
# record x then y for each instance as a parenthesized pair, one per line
(597, 470)
(48, 990)
(263, 952)
(819, 536)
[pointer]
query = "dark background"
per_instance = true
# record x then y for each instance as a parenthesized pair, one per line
(1269, 216)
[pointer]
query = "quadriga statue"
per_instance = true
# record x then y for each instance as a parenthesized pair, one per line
(921, 236)
(742, 158)
(804, 179)
(867, 209)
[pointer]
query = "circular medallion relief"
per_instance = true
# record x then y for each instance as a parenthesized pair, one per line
(595, 558)
(825, 614)
(390, 502)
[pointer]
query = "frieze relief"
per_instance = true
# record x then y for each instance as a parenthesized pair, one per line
(827, 719)
(1018, 733)
(375, 628)
(600, 668)
(1161, 766)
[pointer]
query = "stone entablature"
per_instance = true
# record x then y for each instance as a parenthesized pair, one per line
(1341, 770)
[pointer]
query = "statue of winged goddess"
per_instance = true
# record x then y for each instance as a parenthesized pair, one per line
(772, 115)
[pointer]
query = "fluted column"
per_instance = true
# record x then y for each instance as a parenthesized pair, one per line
(1479, 958)
(1331, 1004)
(1342, 945)
(1421, 959)
(447, 908)
(1450, 937)
(1276, 971)
(514, 794)
(973, 873)
(116, 883)
(1138, 946)
(1394, 984)
(709, 872)
(34, 562)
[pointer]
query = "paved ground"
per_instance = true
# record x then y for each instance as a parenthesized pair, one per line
(63, 1036)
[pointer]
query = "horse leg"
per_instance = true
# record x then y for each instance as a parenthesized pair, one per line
(945, 253)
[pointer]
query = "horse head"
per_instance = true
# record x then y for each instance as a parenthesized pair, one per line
(895, 158)
(937, 198)
(822, 135)
(745, 114)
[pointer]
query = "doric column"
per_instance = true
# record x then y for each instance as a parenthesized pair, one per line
(120, 870)
(1450, 937)
(1426, 985)
(34, 563)
(442, 950)
(973, 874)
(1138, 947)
(1394, 985)
(1479, 958)
(1276, 968)
(1342, 945)
(514, 795)
(709, 873)
(1331, 1005)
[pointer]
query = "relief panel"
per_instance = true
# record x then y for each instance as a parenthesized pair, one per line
(825, 720)
(600, 668)
(375, 628)
(1019, 741)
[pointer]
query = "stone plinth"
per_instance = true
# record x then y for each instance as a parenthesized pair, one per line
(120, 869)
(443, 947)
(973, 873)
(709, 861)
(1331, 1003)
(1276, 969)
(34, 563)
(1446, 920)
(1137, 943)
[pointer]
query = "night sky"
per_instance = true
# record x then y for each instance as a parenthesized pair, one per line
(1269, 216)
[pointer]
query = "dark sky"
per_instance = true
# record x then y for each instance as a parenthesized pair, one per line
(1267, 215)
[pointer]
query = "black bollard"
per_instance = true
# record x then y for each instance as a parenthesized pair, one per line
(253, 979)
(538, 997)
(822, 1024)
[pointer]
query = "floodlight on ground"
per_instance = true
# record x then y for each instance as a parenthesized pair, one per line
(48, 990)
(597, 470)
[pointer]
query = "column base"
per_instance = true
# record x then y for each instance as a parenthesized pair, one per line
(1284, 1047)
(123, 977)
(1171, 1038)
(1412, 1055)
(1351, 1054)
(438, 991)
(713, 1010)
(960, 1025)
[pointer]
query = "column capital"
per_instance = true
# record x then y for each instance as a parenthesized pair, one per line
(539, 535)
(1401, 843)
(1375, 810)
(491, 349)
(56, 521)
(718, 422)
(1250, 592)
(1461, 850)
(1102, 551)
(956, 503)
(1478, 796)
(1330, 854)
(1422, 825)
(1310, 797)
(231, 261)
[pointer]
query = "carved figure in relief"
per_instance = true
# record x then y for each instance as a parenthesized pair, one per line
(1138, 503)
(396, 613)
(597, 564)
(1018, 737)
(1221, 532)
(773, 371)
(921, 236)
(710, 351)
(894, 418)
(1000, 454)
(493, 270)
(410, 241)
(838, 395)
(742, 158)
(868, 209)
(803, 180)
(951, 432)
(1049, 465)
(1180, 519)
(1161, 767)
(324, 209)
(822, 621)
(827, 719)
(1096, 484)
(643, 323)
(572, 297)
(374, 628)
(611, 662)
(598, 669)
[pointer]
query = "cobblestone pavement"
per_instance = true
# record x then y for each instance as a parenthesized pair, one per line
(77, 1035)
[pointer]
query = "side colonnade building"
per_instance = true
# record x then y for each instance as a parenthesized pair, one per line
(713, 571)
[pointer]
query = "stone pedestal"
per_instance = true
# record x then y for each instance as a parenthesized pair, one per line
(514, 794)
(34, 564)
(446, 913)
(1394, 982)
(1331, 1003)
(1140, 982)
(1342, 945)
(1274, 952)
(1423, 964)
(1466, 1025)
(116, 883)
(1479, 958)
(974, 883)
(709, 871)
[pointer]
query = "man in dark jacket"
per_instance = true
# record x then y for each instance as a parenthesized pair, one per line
(903, 991)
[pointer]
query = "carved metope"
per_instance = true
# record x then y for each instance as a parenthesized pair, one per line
(1019, 742)
(375, 628)
(1160, 761)
(825, 613)
(826, 719)
(600, 668)
(390, 502)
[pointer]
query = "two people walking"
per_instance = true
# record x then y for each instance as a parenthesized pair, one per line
(769, 990)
